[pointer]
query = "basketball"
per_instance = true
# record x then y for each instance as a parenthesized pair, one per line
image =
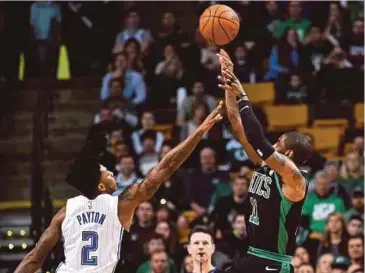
(219, 24)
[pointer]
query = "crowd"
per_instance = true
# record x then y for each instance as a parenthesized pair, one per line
(312, 51)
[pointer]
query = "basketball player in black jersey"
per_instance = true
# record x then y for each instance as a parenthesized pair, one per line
(277, 189)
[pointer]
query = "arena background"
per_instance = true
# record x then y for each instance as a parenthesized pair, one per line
(141, 71)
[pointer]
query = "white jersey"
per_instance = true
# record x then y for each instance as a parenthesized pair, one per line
(92, 235)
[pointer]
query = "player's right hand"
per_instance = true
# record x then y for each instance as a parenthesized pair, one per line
(212, 118)
(225, 60)
(230, 83)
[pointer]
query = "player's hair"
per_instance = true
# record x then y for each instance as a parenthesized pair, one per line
(202, 229)
(300, 145)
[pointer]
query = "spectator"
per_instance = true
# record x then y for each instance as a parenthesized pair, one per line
(45, 21)
(134, 91)
(296, 262)
(335, 27)
(141, 233)
(209, 59)
(133, 49)
(228, 207)
(335, 236)
(127, 174)
(306, 268)
(352, 171)
(235, 241)
(169, 233)
(317, 47)
(187, 266)
(285, 57)
(148, 124)
(159, 262)
(242, 68)
(324, 263)
(357, 204)
(331, 168)
(295, 21)
(355, 226)
(200, 112)
(168, 264)
(319, 205)
(358, 145)
(170, 79)
(204, 181)
(296, 92)
(173, 191)
(340, 265)
(354, 44)
(272, 19)
(163, 213)
(185, 112)
(132, 29)
(169, 32)
(303, 254)
(236, 155)
(356, 250)
(148, 159)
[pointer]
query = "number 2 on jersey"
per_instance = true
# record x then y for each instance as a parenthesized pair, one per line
(254, 217)
(93, 238)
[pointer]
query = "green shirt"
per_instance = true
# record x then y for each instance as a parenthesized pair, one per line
(318, 209)
(351, 183)
(146, 267)
(301, 26)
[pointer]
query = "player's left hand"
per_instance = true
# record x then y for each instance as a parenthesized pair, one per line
(212, 118)
(230, 83)
(225, 60)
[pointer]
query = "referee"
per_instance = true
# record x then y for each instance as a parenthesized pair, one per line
(201, 248)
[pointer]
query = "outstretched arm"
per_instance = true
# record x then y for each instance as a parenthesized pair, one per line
(34, 259)
(135, 194)
(294, 182)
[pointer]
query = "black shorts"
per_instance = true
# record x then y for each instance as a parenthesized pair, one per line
(253, 264)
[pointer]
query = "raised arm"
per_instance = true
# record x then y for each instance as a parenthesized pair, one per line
(294, 183)
(34, 259)
(135, 194)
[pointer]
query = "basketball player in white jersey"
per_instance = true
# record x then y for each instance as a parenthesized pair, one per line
(92, 224)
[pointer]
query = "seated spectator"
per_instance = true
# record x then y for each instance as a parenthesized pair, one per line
(134, 91)
(204, 181)
(132, 29)
(296, 262)
(235, 240)
(170, 77)
(335, 27)
(173, 190)
(133, 49)
(354, 44)
(163, 213)
(159, 262)
(188, 265)
(295, 21)
(352, 171)
(235, 152)
(340, 265)
(306, 268)
(228, 206)
(169, 31)
(320, 204)
(148, 158)
(355, 226)
(121, 149)
(335, 236)
(324, 263)
(356, 250)
(126, 174)
(208, 58)
(296, 92)
(316, 47)
(303, 254)
(357, 201)
(285, 57)
(272, 20)
(358, 146)
(169, 233)
(185, 112)
(141, 233)
(242, 68)
(147, 124)
(200, 112)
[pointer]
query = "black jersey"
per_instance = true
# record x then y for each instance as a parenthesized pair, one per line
(273, 219)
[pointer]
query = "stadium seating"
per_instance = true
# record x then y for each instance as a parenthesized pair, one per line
(336, 122)
(286, 117)
(359, 115)
(260, 93)
(325, 139)
(166, 129)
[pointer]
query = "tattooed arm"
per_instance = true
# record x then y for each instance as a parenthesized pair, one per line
(135, 194)
(34, 259)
